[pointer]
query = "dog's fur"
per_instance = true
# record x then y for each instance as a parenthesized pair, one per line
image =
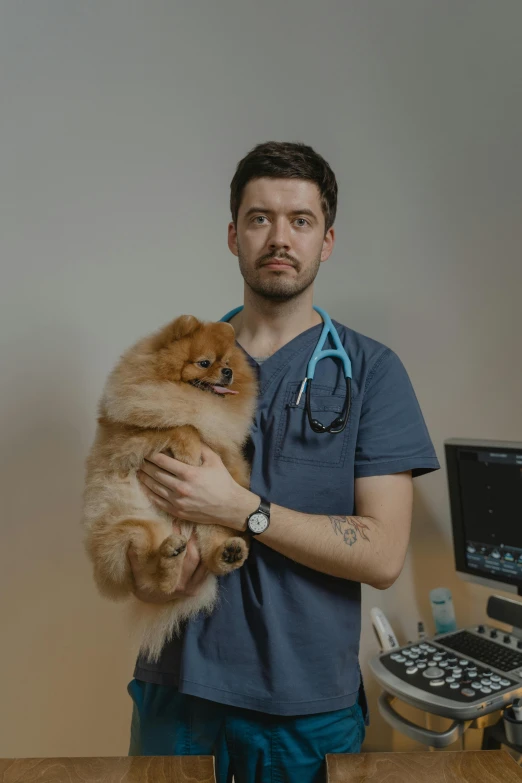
(159, 399)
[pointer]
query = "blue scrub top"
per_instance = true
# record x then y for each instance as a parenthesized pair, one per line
(284, 639)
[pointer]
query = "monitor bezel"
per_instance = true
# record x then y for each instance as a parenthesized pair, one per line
(451, 448)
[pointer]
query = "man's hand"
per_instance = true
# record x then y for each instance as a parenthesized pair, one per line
(193, 574)
(206, 494)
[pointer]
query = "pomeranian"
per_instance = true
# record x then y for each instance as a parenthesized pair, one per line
(186, 384)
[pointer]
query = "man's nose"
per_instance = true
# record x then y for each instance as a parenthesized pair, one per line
(226, 372)
(279, 235)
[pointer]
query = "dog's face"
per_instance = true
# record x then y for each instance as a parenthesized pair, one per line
(204, 355)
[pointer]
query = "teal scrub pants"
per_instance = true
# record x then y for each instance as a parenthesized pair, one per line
(253, 746)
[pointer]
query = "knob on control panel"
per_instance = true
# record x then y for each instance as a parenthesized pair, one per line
(493, 634)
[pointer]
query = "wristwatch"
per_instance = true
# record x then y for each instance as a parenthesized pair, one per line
(259, 520)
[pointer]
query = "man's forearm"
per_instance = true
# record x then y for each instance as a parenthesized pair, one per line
(350, 547)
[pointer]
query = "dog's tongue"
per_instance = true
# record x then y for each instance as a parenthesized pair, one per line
(223, 390)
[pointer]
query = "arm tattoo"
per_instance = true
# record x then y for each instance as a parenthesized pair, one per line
(349, 527)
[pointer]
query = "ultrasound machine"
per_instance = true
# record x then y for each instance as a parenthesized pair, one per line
(470, 673)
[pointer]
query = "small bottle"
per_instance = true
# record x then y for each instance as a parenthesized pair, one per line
(421, 633)
(443, 610)
(517, 709)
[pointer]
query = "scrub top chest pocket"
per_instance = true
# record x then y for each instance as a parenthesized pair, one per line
(297, 442)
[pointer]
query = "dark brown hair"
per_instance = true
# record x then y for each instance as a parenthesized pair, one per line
(290, 160)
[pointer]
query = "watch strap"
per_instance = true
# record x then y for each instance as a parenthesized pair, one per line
(264, 506)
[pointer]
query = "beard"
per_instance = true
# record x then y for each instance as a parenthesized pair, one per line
(277, 287)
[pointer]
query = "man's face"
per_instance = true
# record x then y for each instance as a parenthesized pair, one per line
(280, 240)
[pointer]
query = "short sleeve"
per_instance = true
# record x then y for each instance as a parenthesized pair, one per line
(392, 435)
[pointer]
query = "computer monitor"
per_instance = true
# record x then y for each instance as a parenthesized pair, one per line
(485, 490)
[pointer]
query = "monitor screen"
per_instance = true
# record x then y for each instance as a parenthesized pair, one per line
(485, 488)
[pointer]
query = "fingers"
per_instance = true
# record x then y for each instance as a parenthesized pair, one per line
(197, 579)
(169, 466)
(156, 499)
(190, 565)
(158, 480)
(208, 455)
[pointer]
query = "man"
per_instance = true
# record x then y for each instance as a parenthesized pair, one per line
(270, 682)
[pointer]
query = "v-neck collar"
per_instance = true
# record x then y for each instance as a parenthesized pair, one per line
(274, 364)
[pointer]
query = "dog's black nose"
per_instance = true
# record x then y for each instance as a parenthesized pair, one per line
(226, 372)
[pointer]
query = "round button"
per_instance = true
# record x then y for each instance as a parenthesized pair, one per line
(495, 678)
(424, 646)
(400, 659)
(495, 686)
(433, 673)
(457, 670)
(436, 683)
(467, 692)
(415, 649)
(487, 674)
(431, 649)
(421, 665)
(437, 657)
(450, 679)
(411, 670)
(485, 690)
(485, 682)
(454, 686)
(395, 656)
(505, 683)
(463, 662)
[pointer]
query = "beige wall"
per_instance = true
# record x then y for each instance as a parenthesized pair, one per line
(121, 124)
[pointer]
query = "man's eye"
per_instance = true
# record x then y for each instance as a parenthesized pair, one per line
(259, 217)
(303, 221)
(205, 363)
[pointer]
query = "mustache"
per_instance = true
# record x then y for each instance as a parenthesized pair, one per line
(276, 257)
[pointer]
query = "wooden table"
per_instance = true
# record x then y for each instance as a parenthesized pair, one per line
(128, 769)
(474, 766)
(481, 766)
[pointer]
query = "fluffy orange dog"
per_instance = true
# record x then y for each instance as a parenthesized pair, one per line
(189, 383)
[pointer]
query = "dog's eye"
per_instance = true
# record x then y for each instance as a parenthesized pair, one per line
(205, 363)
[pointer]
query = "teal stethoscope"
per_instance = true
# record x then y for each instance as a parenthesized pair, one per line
(339, 423)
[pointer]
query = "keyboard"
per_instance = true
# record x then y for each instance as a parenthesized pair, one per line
(487, 652)
(460, 675)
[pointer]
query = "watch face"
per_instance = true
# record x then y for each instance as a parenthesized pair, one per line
(258, 522)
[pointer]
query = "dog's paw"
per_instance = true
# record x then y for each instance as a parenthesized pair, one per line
(173, 546)
(231, 554)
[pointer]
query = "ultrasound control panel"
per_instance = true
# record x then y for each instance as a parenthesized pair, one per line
(462, 675)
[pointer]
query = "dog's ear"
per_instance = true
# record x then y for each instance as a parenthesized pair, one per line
(183, 326)
(224, 327)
